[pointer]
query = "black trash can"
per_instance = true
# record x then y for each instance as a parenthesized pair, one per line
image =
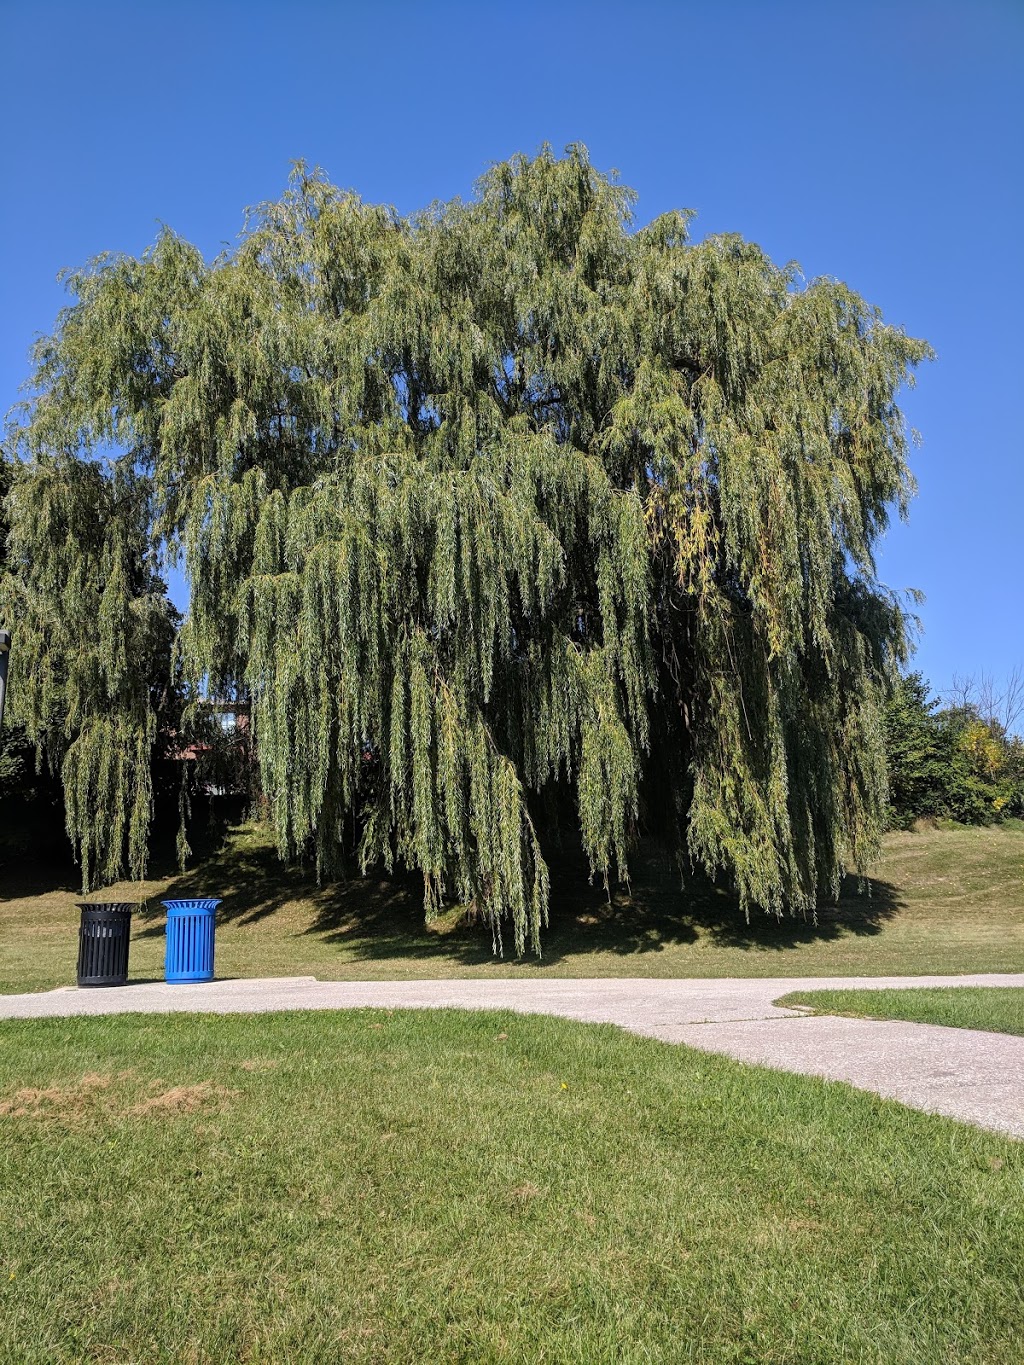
(103, 938)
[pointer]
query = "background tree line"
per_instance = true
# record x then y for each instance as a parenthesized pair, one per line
(957, 757)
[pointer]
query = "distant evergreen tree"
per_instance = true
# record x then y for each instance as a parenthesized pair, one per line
(918, 752)
(501, 508)
(948, 762)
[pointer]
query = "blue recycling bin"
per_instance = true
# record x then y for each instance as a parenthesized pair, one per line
(190, 926)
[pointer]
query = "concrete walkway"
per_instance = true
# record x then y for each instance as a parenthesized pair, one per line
(969, 1075)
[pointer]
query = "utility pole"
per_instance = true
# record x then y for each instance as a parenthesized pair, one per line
(5, 650)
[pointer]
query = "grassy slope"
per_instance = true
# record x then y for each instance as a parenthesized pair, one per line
(941, 901)
(999, 1009)
(459, 1187)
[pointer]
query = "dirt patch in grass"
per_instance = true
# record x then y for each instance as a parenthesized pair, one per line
(524, 1194)
(93, 1096)
(70, 1103)
(182, 1099)
(798, 1225)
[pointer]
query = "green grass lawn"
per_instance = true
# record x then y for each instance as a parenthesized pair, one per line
(940, 901)
(450, 1186)
(1000, 1009)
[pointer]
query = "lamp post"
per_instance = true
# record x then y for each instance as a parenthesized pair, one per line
(5, 649)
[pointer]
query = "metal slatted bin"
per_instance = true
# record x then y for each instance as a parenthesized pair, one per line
(190, 937)
(104, 936)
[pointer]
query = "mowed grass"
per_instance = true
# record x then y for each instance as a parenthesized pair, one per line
(938, 901)
(453, 1186)
(999, 1009)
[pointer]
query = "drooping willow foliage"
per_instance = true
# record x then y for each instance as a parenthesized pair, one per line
(92, 641)
(502, 514)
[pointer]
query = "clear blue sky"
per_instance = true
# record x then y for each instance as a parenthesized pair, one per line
(879, 143)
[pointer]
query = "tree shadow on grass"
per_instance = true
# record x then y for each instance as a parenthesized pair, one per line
(249, 879)
(380, 919)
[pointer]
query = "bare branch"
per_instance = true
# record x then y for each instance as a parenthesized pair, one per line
(1013, 699)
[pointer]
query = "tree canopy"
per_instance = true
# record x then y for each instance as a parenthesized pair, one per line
(503, 516)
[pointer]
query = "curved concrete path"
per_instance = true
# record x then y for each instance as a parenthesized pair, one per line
(962, 1073)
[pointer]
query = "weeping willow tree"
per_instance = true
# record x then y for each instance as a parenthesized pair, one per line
(91, 663)
(500, 515)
